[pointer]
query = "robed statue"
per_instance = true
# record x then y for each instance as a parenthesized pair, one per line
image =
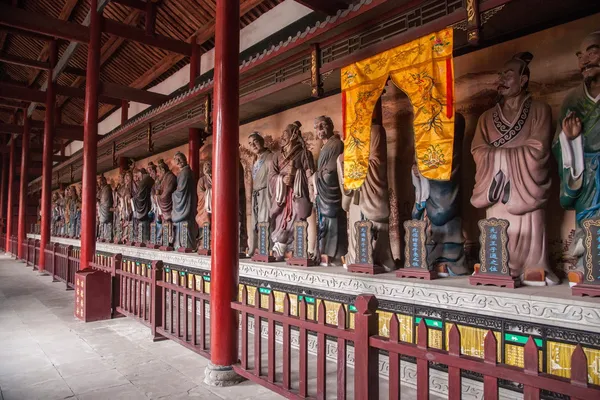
(288, 183)
(370, 202)
(204, 196)
(142, 202)
(576, 147)
(167, 183)
(184, 205)
(261, 199)
(105, 208)
(332, 236)
(124, 206)
(73, 207)
(511, 149)
(438, 203)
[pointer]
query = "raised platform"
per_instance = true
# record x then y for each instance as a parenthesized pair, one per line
(554, 306)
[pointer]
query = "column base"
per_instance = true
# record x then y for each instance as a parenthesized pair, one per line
(217, 375)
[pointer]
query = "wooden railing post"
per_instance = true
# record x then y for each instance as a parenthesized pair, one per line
(366, 358)
(157, 298)
(116, 263)
(68, 269)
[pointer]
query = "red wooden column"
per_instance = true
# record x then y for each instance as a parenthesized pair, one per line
(194, 133)
(9, 197)
(21, 226)
(224, 260)
(90, 142)
(47, 159)
(124, 111)
(3, 189)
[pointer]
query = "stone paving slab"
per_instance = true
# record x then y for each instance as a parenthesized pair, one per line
(47, 354)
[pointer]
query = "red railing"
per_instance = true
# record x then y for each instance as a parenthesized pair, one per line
(36, 253)
(135, 297)
(180, 307)
(13, 246)
(72, 267)
(367, 349)
(2, 238)
(50, 251)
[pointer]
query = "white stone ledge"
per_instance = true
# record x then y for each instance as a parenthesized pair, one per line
(553, 306)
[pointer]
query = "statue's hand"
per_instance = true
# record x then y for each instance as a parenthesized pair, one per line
(288, 180)
(571, 126)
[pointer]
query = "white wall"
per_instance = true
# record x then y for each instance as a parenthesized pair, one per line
(267, 24)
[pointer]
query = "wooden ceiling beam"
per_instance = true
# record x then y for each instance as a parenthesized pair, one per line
(55, 158)
(21, 93)
(328, 7)
(137, 4)
(65, 14)
(67, 54)
(138, 35)
(24, 62)
(39, 23)
(75, 71)
(69, 132)
(21, 32)
(132, 94)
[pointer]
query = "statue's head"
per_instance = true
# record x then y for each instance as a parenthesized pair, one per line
(207, 168)
(138, 173)
(588, 57)
(513, 78)
(54, 196)
(291, 134)
(256, 142)
(323, 127)
(102, 181)
(128, 178)
(180, 159)
(152, 170)
(162, 168)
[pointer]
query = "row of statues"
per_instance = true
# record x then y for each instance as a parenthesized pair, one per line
(511, 148)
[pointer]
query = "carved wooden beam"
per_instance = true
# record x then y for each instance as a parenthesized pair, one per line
(473, 21)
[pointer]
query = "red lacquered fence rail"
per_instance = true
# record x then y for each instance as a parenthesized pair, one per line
(180, 309)
(2, 240)
(135, 294)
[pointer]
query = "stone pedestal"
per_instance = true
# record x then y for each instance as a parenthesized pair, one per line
(216, 375)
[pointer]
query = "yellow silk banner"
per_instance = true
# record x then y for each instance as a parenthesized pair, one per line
(423, 70)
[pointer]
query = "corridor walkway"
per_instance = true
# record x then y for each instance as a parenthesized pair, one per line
(47, 354)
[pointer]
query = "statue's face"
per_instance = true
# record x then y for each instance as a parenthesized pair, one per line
(160, 173)
(127, 179)
(207, 169)
(255, 145)
(588, 58)
(286, 138)
(510, 79)
(151, 173)
(324, 130)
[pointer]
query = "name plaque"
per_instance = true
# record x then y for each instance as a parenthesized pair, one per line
(261, 253)
(131, 232)
(167, 235)
(493, 255)
(591, 261)
(415, 252)
(153, 233)
(364, 254)
(204, 248)
(300, 246)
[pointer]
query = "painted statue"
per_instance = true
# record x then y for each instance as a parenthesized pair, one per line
(105, 208)
(332, 235)
(56, 216)
(74, 209)
(142, 202)
(576, 146)
(261, 198)
(167, 183)
(153, 172)
(184, 204)
(511, 148)
(438, 203)
(125, 206)
(204, 195)
(288, 184)
(370, 202)
(60, 204)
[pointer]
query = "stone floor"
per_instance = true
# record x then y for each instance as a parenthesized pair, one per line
(47, 354)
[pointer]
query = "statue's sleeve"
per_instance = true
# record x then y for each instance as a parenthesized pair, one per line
(346, 195)
(570, 159)
(486, 164)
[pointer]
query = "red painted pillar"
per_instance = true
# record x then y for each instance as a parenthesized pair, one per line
(21, 225)
(90, 142)
(194, 133)
(9, 198)
(47, 152)
(124, 111)
(224, 261)
(3, 188)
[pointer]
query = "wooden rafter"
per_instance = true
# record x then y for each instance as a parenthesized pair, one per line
(64, 15)
(329, 7)
(24, 62)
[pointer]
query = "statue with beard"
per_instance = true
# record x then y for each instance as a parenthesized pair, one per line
(511, 148)
(261, 198)
(332, 239)
(74, 210)
(164, 192)
(125, 206)
(576, 147)
(184, 205)
(438, 203)
(105, 209)
(288, 184)
(142, 202)
(204, 193)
